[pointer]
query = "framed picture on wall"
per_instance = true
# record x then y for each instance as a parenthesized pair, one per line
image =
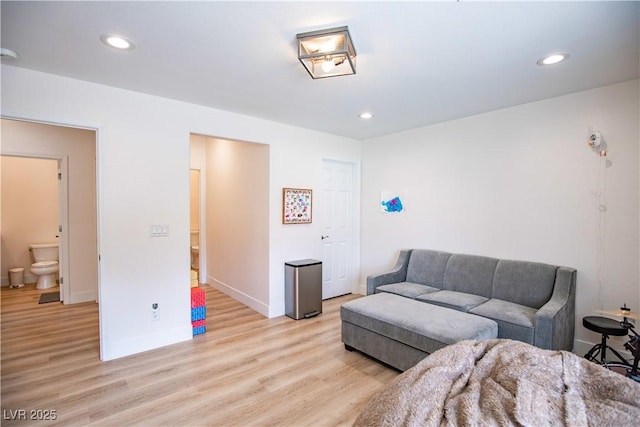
(393, 201)
(296, 205)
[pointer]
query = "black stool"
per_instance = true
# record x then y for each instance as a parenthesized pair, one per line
(606, 327)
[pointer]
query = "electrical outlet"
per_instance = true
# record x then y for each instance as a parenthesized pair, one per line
(154, 311)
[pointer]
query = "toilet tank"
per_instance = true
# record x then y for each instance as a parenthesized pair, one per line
(195, 238)
(44, 252)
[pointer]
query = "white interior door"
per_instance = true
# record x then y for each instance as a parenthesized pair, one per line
(59, 235)
(337, 204)
(62, 235)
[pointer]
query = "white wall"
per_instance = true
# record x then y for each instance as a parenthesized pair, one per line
(518, 183)
(143, 163)
(298, 164)
(237, 213)
(515, 183)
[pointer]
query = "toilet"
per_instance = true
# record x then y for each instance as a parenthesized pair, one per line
(45, 264)
(195, 257)
(195, 250)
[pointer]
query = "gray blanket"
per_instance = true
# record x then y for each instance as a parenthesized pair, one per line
(504, 382)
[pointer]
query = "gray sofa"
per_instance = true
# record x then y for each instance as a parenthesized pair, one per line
(531, 302)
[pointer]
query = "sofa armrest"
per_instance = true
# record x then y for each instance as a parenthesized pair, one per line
(555, 321)
(397, 274)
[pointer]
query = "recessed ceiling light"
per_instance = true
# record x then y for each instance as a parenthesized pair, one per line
(7, 53)
(553, 59)
(117, 42)
(366, 115)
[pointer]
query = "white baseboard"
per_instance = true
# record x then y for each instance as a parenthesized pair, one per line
(28, 278)
(247, 300)
(78, 297)
(152, 341)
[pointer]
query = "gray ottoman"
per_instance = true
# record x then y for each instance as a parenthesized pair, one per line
(400, 331)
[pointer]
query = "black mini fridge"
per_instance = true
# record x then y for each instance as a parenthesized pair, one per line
(303, 288)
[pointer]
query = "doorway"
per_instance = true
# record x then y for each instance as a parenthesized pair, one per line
(75, 148)
(194, 223)
(337, 240)
(234, 217)
(33, 212)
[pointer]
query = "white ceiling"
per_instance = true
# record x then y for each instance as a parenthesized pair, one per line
(418, 63)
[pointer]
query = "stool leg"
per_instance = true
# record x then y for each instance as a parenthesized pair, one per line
(603, 359)
(603, 355)
(593, 353)
(622, 359)
(601, 350)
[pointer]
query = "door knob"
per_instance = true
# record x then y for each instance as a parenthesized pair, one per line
(324, 237)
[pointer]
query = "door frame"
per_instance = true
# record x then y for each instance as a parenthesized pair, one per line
(202, 227)
(97, 129)
(63, 221)
(356, 287)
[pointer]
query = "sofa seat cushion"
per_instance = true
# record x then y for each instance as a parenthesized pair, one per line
(406, 289)
(426, 327)
(515, 321)
(460, 301)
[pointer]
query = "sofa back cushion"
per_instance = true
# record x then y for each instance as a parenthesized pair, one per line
(427, 267)
(470, 273)
(524, 283)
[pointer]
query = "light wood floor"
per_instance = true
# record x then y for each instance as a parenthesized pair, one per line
(246, 370)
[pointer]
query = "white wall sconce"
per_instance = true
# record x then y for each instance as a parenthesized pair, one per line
(327, 53)
(597, 143)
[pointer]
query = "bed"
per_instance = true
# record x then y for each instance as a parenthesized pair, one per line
(504, 382)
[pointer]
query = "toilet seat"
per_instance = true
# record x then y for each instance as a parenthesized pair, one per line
(44, 264)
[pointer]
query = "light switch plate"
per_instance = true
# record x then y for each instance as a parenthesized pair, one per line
(159, 230)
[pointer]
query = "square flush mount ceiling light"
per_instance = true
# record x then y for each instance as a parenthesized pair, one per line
(327, 53)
